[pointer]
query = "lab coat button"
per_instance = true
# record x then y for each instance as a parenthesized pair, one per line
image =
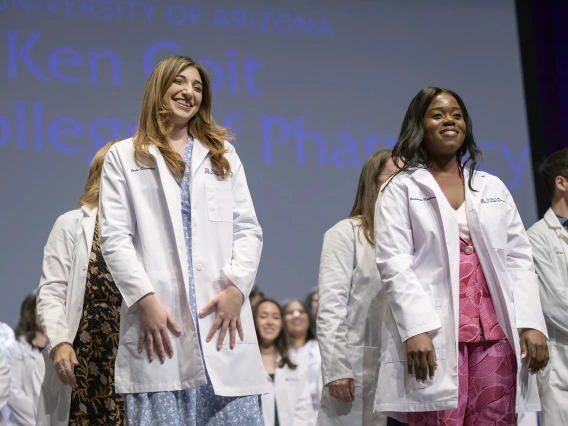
(85, 268)
(79, 308)
(194, 223)
(198, 267)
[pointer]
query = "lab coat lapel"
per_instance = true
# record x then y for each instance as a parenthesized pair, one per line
(449, 222)
(198, 154)
(425, 179)
(88, 225)
(172, 193)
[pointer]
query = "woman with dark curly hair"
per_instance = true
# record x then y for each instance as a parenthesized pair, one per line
(465, 326)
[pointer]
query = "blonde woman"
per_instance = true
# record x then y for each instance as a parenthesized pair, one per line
(78, 306)
(181, 238)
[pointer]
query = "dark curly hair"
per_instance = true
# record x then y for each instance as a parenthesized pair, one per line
(409, 152)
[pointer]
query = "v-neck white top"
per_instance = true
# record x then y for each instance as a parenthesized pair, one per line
(462, 223)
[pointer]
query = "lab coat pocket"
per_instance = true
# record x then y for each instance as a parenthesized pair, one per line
(495, 218)
(439, 336)
(219, 201)
(559, 368)
(365, 365)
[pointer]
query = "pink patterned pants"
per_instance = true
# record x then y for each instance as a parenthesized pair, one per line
(487, 388)
(486, 362)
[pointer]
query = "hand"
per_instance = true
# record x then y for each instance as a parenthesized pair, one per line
(228, 304)
(64, 356)
(421, 356)
(533, 345)
(342, 389)
(154, 325)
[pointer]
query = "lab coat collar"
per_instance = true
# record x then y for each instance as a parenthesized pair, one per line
(88, 224)
(551, 219)
(553, 222)
(88, 211)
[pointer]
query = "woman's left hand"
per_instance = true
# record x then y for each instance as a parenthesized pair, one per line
(228, 304)
(534, 347)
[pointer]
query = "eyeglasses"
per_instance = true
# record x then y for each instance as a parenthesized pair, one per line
(295, 313)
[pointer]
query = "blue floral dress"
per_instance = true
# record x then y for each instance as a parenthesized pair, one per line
(195, 406)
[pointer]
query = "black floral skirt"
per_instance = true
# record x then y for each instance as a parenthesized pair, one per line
(93, 400)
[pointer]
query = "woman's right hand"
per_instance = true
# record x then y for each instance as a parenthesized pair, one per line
(154, 325)
(421, 356)
(342, 389)
(64, 356)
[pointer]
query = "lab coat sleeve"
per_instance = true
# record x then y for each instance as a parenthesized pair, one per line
(247, 234)
(553, 295)
(521, 271)
(334, 283)
(55, 270)
(22, 405)
(117, 229)
(394, 245)
(5, 377)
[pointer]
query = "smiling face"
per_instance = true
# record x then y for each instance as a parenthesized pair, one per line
(297, 319)
(268, 322)
(183, 97)
(444, 127)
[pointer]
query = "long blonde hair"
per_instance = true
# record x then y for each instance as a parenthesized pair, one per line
(368, 191)
(90, 197)
(156, 123)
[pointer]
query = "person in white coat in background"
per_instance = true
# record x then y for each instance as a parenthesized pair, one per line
(79, 308)
(182, 242)
(549, 238)
(23, 354)
(457, 267)
(4, 384)
(288, 403)
(351, 304)
(301, 331)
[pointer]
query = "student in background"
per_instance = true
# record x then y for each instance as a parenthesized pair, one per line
(300, 329)
(549, 238)
(288, 403)
(312, 302)
(79, 308)
(4, 384)
(23, 354)
(352, 302)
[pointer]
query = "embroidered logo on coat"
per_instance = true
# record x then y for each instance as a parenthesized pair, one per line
(141, 169)
(491, 200)
(421, 199)
(211, 172)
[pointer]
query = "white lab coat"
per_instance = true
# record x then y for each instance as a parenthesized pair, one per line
(143, 244)
(417, 248)
(24, 386)
(550, 250)
(308, 357)
(4, 383)
(60, 303)
(351, 305)
(289, 391)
